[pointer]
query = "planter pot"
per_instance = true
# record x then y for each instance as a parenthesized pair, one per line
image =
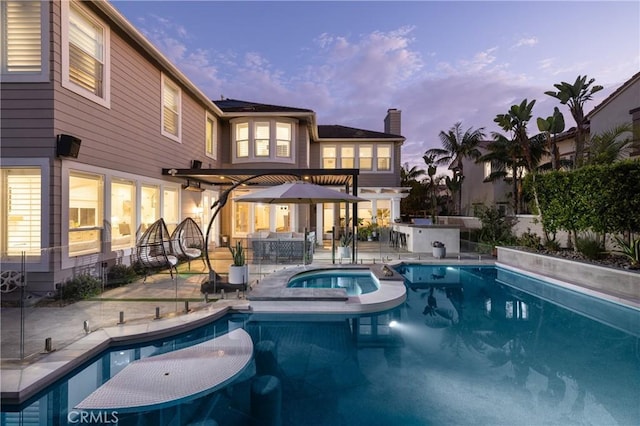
(238, 274)
(439, 252)
(344, 252)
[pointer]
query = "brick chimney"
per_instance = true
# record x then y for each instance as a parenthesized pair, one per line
(392, 123)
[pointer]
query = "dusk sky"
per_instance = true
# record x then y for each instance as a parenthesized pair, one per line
(439, 62)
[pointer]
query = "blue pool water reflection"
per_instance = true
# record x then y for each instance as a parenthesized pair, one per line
(473, 345)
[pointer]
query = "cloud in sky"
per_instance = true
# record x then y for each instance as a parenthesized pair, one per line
(529, 41)
(352, 77)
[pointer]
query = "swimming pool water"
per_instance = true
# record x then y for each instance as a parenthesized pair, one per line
(473, 345)
(354, 282)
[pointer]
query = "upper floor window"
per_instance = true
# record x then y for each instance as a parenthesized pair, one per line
(384, 157)
(211, 142)
(85, 53)
(265, 139)
(24, 53)
(366, 157)
(242, 140)
(329, 157)
(171, 109)
(347, 157)
(283, 140)
(261, 142)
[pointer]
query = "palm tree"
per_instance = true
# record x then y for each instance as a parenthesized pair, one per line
(409, 177)
(574, 96)
(430, 161)
(608, 146)
(550, 127)
(456, 146)
(515, 121)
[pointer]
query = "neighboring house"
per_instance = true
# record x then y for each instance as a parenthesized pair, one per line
(622, 106)
(93, 115)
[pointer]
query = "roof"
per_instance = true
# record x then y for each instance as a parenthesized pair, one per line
(235, 105)
(614, 94)
(343, 132)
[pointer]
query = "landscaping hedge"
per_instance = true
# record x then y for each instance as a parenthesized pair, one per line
(603, 198)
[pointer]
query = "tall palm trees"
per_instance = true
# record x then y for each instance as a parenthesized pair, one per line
(574, 96)
(457, 146)
(518, 152)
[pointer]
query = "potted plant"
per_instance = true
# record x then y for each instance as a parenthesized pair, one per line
(238, 271)
(343, 245)
(439, 250)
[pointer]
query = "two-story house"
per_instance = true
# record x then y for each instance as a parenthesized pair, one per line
(92, 116)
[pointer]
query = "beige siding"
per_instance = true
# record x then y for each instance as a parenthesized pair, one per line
(26, 119)
(127, 136)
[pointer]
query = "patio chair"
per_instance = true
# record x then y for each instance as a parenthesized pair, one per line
(187, 241)
(154, 249)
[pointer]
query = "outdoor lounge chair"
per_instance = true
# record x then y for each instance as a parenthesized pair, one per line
(154, 249)
(187, 241)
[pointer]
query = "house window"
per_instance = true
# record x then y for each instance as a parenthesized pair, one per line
(487, 169)
(211, 143)
(241, 217)
(171, 110)
(366, 157)
(329, 157)
(21, 210)
(347, 157)
(384, 157)
(170, 207)
(123, 214)
(86, 201)
(262, 217)
(149, 208)
(85, 54)
(25, 39)
(261, 142)
(283, 140)
(242, 140)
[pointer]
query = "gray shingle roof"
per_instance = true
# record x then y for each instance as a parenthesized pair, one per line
(343, 132)
(234, 105)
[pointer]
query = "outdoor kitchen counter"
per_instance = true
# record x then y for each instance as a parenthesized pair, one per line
(421, 237)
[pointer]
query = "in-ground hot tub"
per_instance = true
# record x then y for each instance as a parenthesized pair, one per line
(354, 281)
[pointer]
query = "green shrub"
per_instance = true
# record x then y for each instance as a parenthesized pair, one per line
(80, 287)
(590, 245)
(496, 227)
(552, 245)
(121, 274)
(529, 239)
(629, 250)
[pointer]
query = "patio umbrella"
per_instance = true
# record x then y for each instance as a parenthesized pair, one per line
(299, 192)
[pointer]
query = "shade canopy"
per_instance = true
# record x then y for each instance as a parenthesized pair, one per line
(298, 192)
